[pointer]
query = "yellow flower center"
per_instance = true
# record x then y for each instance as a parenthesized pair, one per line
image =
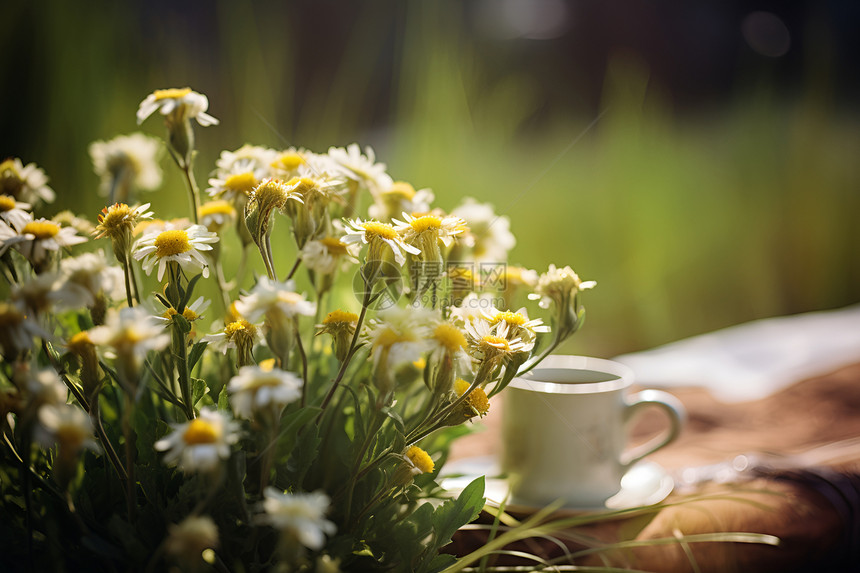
(41, 229)
(426, 223)
(70, 436)
(267, 364)
(514, 275)
(340, 316)
(477, 399)
(219, 207)
(450, 337)
(302, 184)
(402, 189)
(240, 327)
(10, 316)
(241, 183)
(263, 381)
(172, 93)
(7, 203)
(495, 342)
(189, 314)
(200, 432)
(333, 245)
(271, 193)
(289, 161)
(389, 337)
(420, 459)
(289, 297)
(139, 228)
(170, 243)
(8, 168)
(116, 217)
(374, 229)
(513, 318)
(79, 342)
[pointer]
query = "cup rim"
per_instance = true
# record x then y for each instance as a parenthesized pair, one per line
(531, 381)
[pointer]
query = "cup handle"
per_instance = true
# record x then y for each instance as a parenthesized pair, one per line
(670, 405)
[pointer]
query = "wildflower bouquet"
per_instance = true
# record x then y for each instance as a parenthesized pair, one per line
(146, 426)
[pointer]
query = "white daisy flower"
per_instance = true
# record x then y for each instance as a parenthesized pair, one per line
(238, 182)
(180, 103)
(257, 389)
(425, 232)
(44, 387)
(126, 163)
(201, 444)
(131, 333)
(322, 256)
(36, 294)
(25, 183)
(518, 324)
(14, 213)
(291, 162)
(216, 214)
(192, 312)
(489, 234)
(399, 336)
(316, 186)
(274, 299)
(559, 286)
(182, 246)
(85, 278)
(67, 426)
(361, 168)
(492, 344)
(235, 334)
(401, 197)
(252, 158)
(299, 514)
(448, 339)
(378, 236)
(473, 307)
(188, 539)
(37, 238)
(18, 330)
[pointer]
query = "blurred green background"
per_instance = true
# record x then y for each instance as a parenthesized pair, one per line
(698, 160)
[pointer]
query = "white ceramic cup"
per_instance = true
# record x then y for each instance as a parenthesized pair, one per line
(565, 430)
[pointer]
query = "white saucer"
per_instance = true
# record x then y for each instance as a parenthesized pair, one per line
(646, 483)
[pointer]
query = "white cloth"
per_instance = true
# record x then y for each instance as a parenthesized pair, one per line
(755, 359)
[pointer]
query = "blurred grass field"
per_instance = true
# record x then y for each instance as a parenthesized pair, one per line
(689, 221)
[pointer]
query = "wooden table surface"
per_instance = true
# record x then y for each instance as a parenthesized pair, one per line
(801, 447)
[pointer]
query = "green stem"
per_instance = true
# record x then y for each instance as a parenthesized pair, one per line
(128, 432)
(133, 276)
(304, 359)
(180, 351)
(417, 434)
(266, 252)
(192, 190)
(349, 354)
(126, 270)
(294, 269)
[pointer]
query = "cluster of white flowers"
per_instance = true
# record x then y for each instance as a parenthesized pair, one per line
(254, 378)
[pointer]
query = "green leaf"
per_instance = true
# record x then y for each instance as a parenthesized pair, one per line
(224, 399)
(409, 535)
(395, 417)
(85, 322)
(189, 291)
(455, 513)
(182, 323)
(195, 354)
(303, 454)
(290, 426)
(198, 390)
